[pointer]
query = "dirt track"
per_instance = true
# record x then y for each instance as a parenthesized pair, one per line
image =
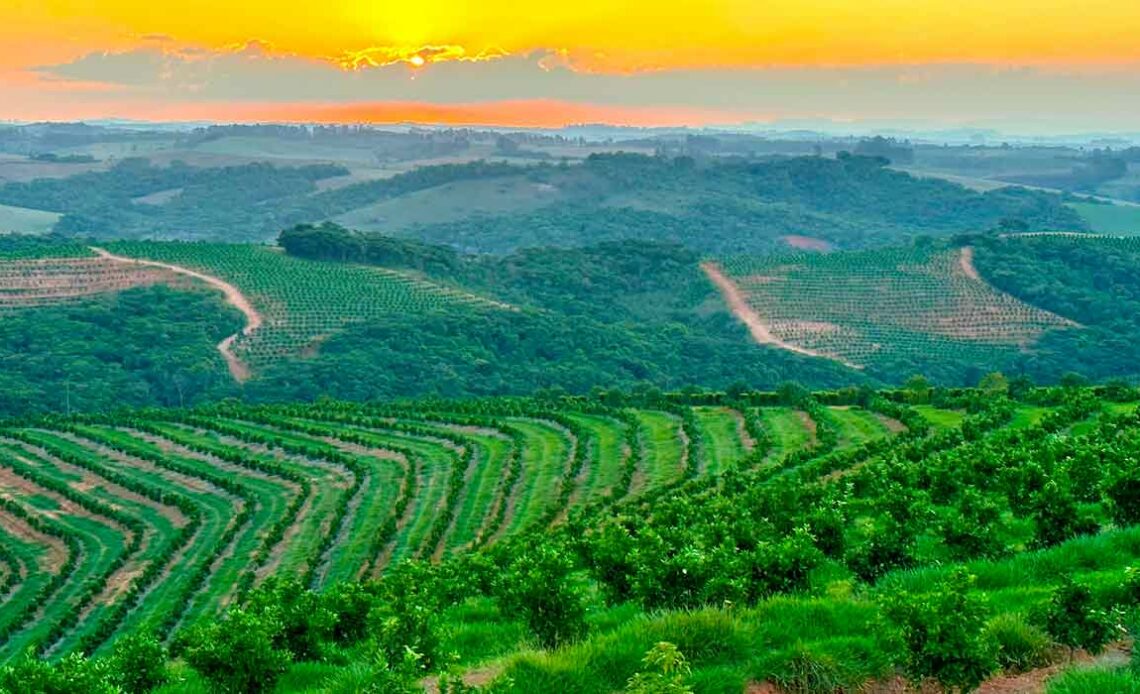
(761, 333)
(966, 260)
(238, 368)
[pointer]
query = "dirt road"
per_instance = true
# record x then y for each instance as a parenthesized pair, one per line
(238, 368)
(760, 330)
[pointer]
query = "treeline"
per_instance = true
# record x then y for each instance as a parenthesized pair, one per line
(745, 206)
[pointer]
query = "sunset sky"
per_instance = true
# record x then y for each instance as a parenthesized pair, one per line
(1048, 64)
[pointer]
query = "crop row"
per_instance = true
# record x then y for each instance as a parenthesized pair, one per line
(181, 512)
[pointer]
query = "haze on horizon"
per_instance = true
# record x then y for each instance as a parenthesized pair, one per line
(1054, 66)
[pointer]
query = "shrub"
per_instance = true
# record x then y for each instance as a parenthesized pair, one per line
(943, 633)
(665, 671)
(1074, 619)
(139, 663)
(236, 653)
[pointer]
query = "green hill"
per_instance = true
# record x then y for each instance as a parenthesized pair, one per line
(549, 544)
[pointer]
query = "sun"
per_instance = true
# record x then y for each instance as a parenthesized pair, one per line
(417, 60)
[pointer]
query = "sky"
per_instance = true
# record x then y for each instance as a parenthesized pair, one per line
(1039, 65)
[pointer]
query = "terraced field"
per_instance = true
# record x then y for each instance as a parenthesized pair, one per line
(876, 308)
(159, 519)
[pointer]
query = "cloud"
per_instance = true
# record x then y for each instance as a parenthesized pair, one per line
(254, 72)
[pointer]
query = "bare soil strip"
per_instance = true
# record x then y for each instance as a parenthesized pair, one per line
(966, 261)
(238, 368)
(761, 332)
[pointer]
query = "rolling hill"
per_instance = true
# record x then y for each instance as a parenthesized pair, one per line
(633, 507)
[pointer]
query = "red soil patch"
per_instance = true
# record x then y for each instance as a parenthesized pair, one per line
(761, 331)
(807, 243)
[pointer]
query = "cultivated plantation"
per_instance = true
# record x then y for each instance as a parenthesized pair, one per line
(301, 302)
(882, 308)
(815, 542)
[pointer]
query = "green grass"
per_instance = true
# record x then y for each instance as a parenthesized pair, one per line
(1118, 220)
(664, 451)
(942, 419)
(606, 455)
(788, 428)
(856, 426)
(722, 444)
(18, 220)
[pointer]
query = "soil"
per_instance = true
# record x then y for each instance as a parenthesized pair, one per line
(760, 330)
(807, 243)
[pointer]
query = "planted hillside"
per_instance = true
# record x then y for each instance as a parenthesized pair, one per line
(813, 542)
(922, 309)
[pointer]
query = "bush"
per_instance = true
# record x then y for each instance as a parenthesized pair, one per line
(139, 663)
(539, 587)
(1074, 619)
(943, 633)
(236, 653)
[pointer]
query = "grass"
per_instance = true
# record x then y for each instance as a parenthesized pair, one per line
(664, 451)
(19, 220)
(1118, 220)
(722, 445)
(606, 456)
(788, 429)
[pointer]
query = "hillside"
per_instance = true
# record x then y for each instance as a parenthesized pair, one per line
(892, 311)
(771, 537)
(713, 205)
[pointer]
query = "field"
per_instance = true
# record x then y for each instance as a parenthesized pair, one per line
(17, 220)
(303, 302)
(1121, 220)
(453, 202)
(330, 493)
(879, 309)
(164, 519)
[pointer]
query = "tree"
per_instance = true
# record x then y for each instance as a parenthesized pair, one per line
(539, 586)
(1074, 619)
(994, 384)
(236, 653)
(73, 674)
(139, 663)
(918, 389)
(944, 633)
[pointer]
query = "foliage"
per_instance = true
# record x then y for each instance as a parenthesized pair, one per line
(237, 653)
(539, 586)
(943, 633)
(1074, 618)
(665, 672)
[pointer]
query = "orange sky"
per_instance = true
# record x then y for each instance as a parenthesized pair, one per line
(601, 34)
(626, 37)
